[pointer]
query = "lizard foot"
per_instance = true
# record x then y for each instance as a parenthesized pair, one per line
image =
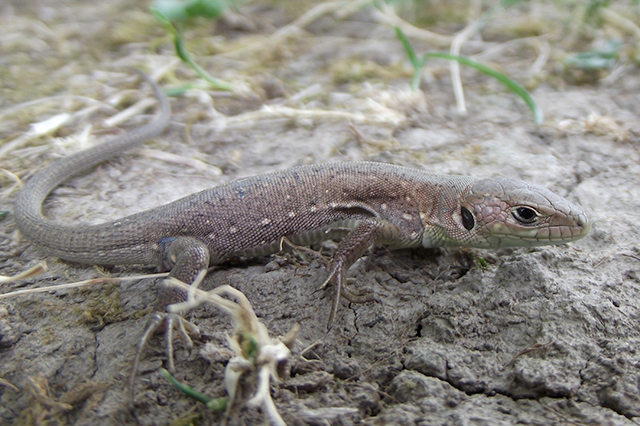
(170, 322)
(187, 258)
(338, 279)
(351, 248)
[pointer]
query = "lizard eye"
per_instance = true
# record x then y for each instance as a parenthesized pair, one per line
(468, 221)
(525, 215)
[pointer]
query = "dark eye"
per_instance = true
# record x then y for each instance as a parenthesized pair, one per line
(525, 214)
(468, 221)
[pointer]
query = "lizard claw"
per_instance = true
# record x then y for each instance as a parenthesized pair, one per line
(337, 277)
(171, 322)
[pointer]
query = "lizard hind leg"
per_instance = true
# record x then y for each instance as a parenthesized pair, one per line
(188, 260)
(350, 249)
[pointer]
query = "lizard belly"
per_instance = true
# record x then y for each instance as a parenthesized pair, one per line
(336, 230)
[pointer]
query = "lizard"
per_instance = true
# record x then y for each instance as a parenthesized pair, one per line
(364, 204)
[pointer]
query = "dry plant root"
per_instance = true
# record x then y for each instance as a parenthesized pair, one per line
(255, 352)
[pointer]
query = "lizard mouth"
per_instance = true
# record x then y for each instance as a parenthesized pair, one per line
(505, 235)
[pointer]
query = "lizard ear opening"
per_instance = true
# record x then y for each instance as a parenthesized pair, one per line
(468, 221)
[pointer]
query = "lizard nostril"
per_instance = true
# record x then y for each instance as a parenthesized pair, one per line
(584, 223)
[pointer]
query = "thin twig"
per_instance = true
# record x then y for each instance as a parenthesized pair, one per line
(543, 57)
(532, 348)
(94, 281)
(55, 99)
(307, 18)
(454, 66)
(385, 14)
(31, 272)
(620, 22)
(192, 163)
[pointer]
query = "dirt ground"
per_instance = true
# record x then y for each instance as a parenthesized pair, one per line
(539, 336)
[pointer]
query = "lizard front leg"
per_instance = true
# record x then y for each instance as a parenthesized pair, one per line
(187, 259)
(367, 233)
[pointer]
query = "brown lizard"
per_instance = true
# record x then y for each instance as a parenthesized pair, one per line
(376, 203)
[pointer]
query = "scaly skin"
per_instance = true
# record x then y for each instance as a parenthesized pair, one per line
(366, 203)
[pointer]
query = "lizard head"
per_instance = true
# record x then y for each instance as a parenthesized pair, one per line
(500, 212)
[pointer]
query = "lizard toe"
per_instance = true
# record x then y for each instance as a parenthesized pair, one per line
(170, 323)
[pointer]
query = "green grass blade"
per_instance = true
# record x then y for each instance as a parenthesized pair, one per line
(416, 63)
(215, 404)
(514, 86)
(413, 58)
(183, 54)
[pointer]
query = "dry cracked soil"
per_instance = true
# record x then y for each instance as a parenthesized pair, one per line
(538, 336)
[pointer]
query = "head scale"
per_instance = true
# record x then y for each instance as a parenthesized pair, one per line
(500, 212)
